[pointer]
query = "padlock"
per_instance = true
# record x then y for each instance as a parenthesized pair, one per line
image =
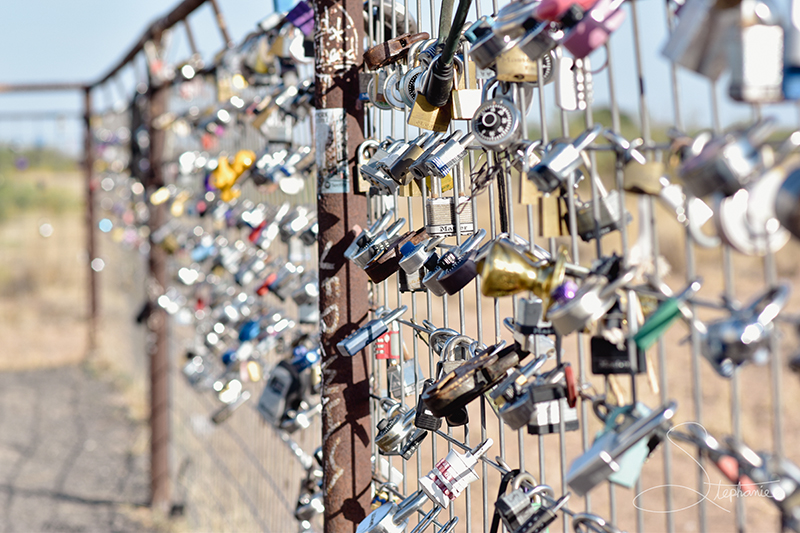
(594, 29)
(424, 419)
(521, 398)
(227, 174)
(543, 514)
(383, 265)
(451, 475)
(539, 39)
(364, 236)
(701, 39)
(610, 219)
(196, 370)
(514, 65)
(391, 517)
(497, 122)
(667, 312)
(451, 258)
(396, 433)
(446, 213)
(756, 54)
(428, 117)
(399, 170)
(501, 34)
(417, 255)
(455, 275)
(387, 347)
(609, 349)
(468, 381)
(404, 383)
(515, 507)
(227, 410)
(574, 89)
(601, 460)
(392, 50)
(546, 418)
(282, 392)
(744, 336)
(368, 333)
(504, 395)
(466, 94)
(374, 245)
(728, 162)
(560, 160)
(442, 161)
(588, 522)
(747, 221)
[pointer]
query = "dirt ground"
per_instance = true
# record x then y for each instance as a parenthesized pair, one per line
(73, 440)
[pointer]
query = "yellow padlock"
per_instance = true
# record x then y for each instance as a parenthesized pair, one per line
(226, 174)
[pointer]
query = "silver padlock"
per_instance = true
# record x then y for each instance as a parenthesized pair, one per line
(378, 244)
(451, 475)
(446, 213)
(727, 162)
(497, 122)
(391, 517)
(369, 332)
(610, 219)
(397, 434)
(756, 54)
(600, 461)
(561, 160)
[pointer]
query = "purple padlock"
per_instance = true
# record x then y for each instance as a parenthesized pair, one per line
(302, 16)
(594, 29)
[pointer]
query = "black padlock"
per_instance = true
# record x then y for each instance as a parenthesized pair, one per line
(607, 357)
(424, 419)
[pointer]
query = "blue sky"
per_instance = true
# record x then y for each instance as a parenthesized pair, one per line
(47, 40)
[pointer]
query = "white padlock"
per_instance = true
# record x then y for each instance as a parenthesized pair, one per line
(451, 475)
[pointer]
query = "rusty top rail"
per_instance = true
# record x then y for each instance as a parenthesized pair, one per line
(181, 12)
(41, 87)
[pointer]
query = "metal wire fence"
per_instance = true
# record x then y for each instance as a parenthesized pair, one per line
(243, 476)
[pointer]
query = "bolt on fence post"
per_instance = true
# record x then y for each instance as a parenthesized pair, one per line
(91, 229)
(344, 293)
(157, 323)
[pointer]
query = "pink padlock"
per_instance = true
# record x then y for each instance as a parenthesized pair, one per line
(594, 29)
(553, 10)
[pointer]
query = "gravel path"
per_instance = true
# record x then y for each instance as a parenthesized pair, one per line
(66, 461)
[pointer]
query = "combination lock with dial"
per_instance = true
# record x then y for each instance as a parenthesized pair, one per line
(496, 124)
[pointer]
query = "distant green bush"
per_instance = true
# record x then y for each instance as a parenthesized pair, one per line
(18, 195)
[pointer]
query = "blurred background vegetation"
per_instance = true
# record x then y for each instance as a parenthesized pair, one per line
(28, 180)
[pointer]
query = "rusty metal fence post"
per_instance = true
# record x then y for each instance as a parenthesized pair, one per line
(157, 324)
(338, 130)
(91, 231)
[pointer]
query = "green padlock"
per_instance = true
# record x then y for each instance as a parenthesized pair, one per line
(663, 317)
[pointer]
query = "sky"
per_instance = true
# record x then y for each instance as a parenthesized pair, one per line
(79, 40)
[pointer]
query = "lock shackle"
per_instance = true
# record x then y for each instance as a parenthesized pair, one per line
(591, 522)
(409, 506)
(766, 307)
(624, 148)
(487, 86)
(429, 517)
(436, 343)
(398, 224)
(381, 223)
(449, 526)
(526, 476)
(622, 280)
(527, 153)
(695, 226)
(449, 348)
(389, 405)
(472, 242)
(391, 316)
(747, 458)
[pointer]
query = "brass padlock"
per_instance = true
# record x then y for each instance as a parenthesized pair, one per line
(551, 215)
(514, 65)
(427, 117)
